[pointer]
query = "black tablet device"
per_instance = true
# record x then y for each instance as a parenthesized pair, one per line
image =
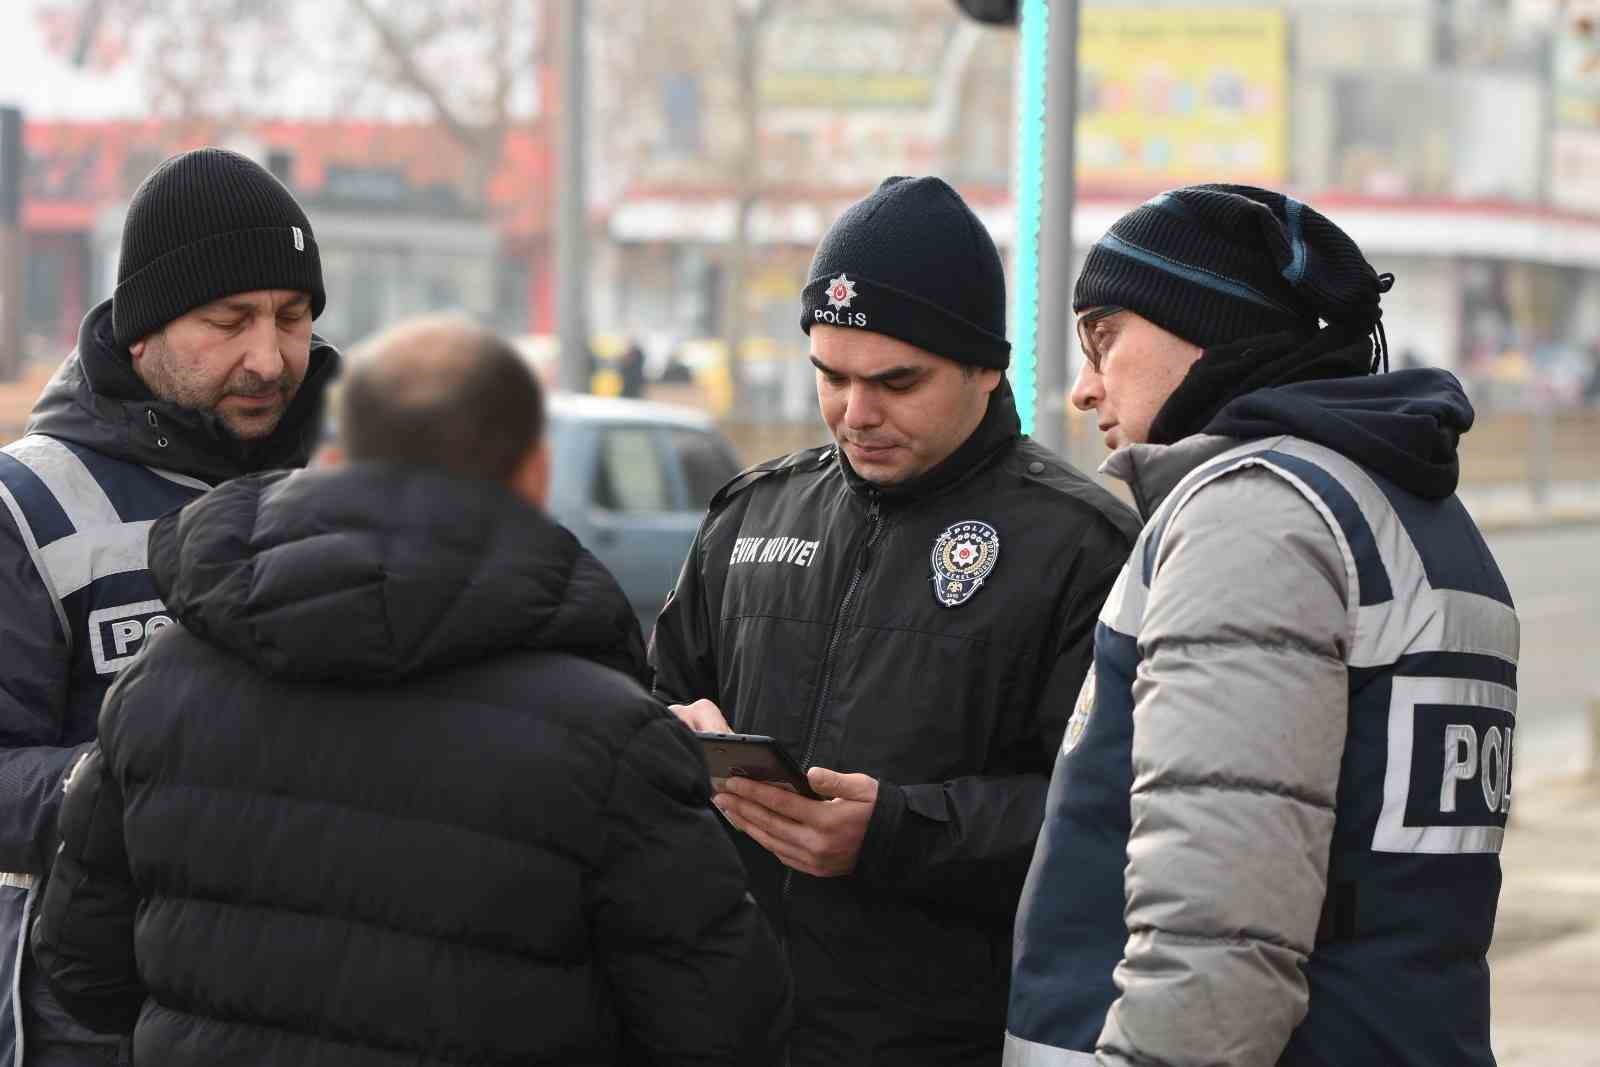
(752, 756)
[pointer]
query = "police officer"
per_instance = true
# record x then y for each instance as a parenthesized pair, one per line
(201, 366)
(1273, 833)
(909, 611)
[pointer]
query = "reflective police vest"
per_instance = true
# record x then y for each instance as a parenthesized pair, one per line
(1397, 975)
(85, 519)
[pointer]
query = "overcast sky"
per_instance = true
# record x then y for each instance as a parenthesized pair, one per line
(46, 86)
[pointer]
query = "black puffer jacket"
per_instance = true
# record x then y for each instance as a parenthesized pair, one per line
(393, 794)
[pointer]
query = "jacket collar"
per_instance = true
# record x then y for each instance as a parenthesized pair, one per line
(412, 569)
(1151, 472)
(998, 430)
(95, 399)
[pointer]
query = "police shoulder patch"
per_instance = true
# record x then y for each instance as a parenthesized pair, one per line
(963, 556)
(1080, 714)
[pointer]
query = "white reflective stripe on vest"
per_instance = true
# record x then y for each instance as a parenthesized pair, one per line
(78, 559)
(68, 480)
(181, 479)
(1020, 1052)
(26, 533)
(1437, 620)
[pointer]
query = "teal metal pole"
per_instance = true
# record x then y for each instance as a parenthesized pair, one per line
(1028, 194)
(1046, 191)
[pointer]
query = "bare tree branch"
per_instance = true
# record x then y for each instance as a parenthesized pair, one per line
(403, 54)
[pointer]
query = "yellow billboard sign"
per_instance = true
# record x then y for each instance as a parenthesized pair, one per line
(1170, 96)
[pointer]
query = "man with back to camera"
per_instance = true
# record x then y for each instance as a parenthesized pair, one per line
(909, 612)
(202, 366)
(393, 791)
(1274, 827)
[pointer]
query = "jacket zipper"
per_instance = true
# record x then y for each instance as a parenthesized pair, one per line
(863, 560)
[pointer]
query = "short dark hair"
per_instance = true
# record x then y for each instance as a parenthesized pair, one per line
(442, 393)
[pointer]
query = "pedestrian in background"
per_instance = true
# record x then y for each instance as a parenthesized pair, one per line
(393, 790)
(909, 611)
(201, 367)
(1274, 829)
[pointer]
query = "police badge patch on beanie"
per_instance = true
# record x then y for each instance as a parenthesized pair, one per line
(911, 261)
(841, 292)
(963, 556)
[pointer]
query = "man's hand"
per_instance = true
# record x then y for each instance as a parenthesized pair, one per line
(821, 838)
(701, 715)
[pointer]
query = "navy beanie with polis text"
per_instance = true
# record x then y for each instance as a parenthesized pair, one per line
(913, 262)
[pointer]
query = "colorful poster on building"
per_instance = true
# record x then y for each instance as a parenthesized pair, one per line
(1175, 95)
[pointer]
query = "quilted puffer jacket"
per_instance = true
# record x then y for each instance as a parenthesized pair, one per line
(393, 793)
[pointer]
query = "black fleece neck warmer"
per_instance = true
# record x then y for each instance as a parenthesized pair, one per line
(1226, 372)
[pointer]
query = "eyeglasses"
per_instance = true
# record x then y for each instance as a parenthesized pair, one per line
(1093, 354)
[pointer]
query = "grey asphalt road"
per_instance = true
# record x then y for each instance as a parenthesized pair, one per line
(1554, 575)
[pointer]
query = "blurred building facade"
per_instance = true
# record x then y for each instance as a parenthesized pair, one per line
(1457, 140)
(400, 228)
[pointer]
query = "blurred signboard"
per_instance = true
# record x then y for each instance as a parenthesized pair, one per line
(849, 63)
(1169, 96)
(1574, 168)
(1576, 73)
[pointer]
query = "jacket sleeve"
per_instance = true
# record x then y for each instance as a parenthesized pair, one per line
(1239, 721)
(969, 841)
(35, 668)
(697, 972)
(682, 653)
(83, 939)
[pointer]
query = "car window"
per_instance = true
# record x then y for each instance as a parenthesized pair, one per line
(706, 463)
(630, 476)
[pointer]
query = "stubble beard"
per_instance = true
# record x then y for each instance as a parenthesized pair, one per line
(170, 381)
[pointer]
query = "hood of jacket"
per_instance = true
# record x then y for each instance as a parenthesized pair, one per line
(1404, 425)
(95, 399)
(374, 573)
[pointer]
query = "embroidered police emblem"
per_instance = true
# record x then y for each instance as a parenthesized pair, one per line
(963, 556)
(841, 291)
(1080, 715)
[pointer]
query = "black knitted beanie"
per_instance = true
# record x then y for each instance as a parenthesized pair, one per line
(1220, 263)
(203, 225)
(912, 261)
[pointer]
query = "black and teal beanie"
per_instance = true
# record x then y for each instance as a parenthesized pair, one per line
(203, 225)
(1215, 264)
(912, 261)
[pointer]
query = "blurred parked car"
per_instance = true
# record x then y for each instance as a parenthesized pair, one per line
(632, 480)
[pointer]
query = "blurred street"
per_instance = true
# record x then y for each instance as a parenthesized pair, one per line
(1546, 955)
(1545, 960)
(1554, 574)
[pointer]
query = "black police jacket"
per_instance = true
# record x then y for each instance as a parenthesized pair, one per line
(935, 636)
(394, 793)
